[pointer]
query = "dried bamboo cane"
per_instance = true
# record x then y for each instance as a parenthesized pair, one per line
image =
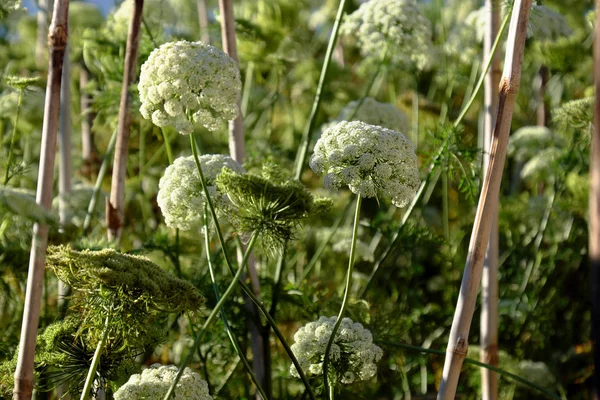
(203, 21)
(489, 280)
(488, 201)
(88, 148)
(115, 206)
(41, 41)
(57, 42)
(594, 223)
(259, 335)
(237, 147)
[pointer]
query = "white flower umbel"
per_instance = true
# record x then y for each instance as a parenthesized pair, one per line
(353, 355)
(396, 25)
(154, 382)
(527, 141)
(180, 194)
(183, 80)
(374, 112)
(8, 6)
(371, 160)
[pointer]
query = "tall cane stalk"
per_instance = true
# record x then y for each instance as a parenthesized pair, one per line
(115, 207)
(489, 280)
(594, 228)
(57, 41)
(488, 202)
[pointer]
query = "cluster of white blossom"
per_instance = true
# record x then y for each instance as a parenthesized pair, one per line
(370, 159)
(180, 194)
(9, 6)
(374, 112)
(536, 372)
(154, 382)
(155, 12)
(353, 355)
(546, 24)
(542, 165)
(189, 80)
(464, 40)
(396, 25)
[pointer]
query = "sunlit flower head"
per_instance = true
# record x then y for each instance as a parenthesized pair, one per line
(353, 355)
(373, 161)
(396, 25)
(180, 194)
(185, 82)
(154, 383)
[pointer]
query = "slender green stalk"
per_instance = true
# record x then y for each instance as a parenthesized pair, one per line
(91, 376)
(13, 139)
(346, 295)
(98, 185)
(278, 277)
(245, 287)
(303, 149)
(167, 146)
(331, 390)
(211, 317)
(170, 159)
(231, 336)
(484, 72)
(477, 363)
(445, 217)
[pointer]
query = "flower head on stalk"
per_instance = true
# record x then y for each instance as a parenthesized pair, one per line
(371, 160)
(185, 82)
(180, 194)
(353, 355)
(268, 204)
(397, 25)
(154, 382)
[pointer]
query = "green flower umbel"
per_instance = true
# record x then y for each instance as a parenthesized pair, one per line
(267, 204)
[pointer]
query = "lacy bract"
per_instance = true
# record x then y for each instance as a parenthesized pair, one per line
(185, 82)
(396, 25)
(180, 194)
(353, 355)
(371, 160)
(153, 384)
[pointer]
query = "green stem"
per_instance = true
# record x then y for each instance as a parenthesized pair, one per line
(477, 363)
(245, 287)
(445, 218)
(98, 186)
(303, 149)
(12, 139)
(170, 159)
(331, 388)
(346, 293)
(278, 277)
(91, 376)
(230, 334)
(212, 316)
(167, 146)
(484, 72)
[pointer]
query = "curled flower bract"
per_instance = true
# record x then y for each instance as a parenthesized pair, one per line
(180, 194)
(397, 25)
(353, 355)
(184, 82)
(154, 382)
(371, 160)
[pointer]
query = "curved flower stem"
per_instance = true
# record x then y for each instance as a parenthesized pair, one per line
(331, 389)
(211, 317)
(12, 139)
(245, 287)
(303, 149)
(346, 292)
(91, 376)
(232, 337)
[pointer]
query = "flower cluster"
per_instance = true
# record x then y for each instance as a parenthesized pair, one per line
(464, 40)
(396, 25)
(546, 24)
(9, 6)
(543, 165)
(153, 384)
(184, 82)
(180, 194)
(155, 12)
(527, 141)
(374, 112)
(370, 159)
(353, 355)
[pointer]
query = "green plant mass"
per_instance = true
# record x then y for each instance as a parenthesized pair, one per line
(299, 199)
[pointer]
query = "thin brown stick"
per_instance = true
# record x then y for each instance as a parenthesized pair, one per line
(489, 280)
(57, 42)
(41, 41)
(89, 153)
(115, 207)
(237, 147)
(488, 201)
(203, 21)
(594, 213)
